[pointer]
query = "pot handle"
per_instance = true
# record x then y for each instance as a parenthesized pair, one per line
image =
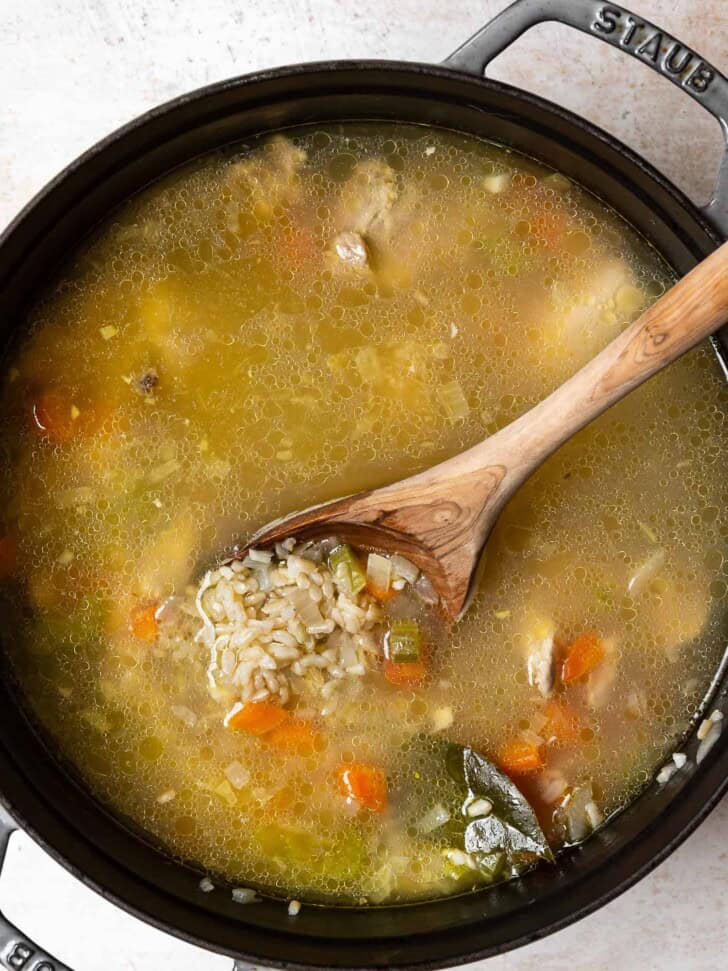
(635, 35)
(18, 952)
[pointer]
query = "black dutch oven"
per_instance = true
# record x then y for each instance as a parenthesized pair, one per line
(54, 808)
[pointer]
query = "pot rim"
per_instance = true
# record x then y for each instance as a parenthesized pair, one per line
(713, 782)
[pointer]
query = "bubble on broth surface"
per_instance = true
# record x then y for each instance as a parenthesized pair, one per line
(279, 381)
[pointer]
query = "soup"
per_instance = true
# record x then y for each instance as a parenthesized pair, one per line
(304, 317)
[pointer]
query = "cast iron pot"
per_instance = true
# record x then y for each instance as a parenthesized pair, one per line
(53, 807)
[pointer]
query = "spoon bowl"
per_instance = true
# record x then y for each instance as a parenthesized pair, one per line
(442, 517)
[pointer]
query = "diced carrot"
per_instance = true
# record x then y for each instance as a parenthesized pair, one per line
(298, 244)
(521, 757)
(296, 736)
(143, 622)
(582, 656)
(562, 722)
(551, 226)
(258, 717)
(58, 418)
(53, 416)
(382, 595)
(365, 784)
(8, 556)
(282, 801)
(407, 674)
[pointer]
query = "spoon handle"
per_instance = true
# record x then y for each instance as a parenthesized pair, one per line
(691, 310)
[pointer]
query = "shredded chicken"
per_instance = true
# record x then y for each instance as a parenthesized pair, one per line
(541, 656)
(351, 249)
(367, 198)
(271, 177)
(601, 681)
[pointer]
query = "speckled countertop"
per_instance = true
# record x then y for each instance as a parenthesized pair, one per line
(72, 70)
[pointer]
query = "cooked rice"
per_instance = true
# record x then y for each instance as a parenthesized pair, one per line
(273, 622)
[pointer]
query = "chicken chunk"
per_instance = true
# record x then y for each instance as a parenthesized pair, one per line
(601, 681)
(367, 198)
(267, 179)
(541, 656)
(595, 310)
(351, 249)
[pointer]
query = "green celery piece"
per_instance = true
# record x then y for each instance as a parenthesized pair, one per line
(462, 873)
(403, 641)
(491, 865)
(346, 568)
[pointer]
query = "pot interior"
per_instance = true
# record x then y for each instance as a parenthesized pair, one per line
(46, 797)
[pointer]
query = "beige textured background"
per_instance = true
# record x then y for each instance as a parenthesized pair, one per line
(72, 70)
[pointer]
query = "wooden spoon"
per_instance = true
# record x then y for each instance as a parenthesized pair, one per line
(441, 518)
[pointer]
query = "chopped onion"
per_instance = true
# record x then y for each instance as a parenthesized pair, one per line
(459, 858)
(646, 572)
(294, 908)
(160, 472)
(310, 551)
(666, 773)
(557, 182)
(206, 885)
(593, 814)
(574, 809)
(244, 895)
(433, 819)
(479, 807)
(648, 531)
(496, 184)
(306, 610)
(379, 573)
(368, 364)
(225, 791)
(552, 784)
(185, 715)
(453, 400)
(442, 718)
(237, 775)
(402, 567)
(425, 591)
(709, 740)
(261, 556)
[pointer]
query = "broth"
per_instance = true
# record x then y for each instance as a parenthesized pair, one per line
(303, 318)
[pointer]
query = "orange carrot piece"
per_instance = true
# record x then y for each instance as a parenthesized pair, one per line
(258, 717)
(381, 595)
(365, 784)
(57, 418)
(143, 622)
(298, 245)
(283, 801)
(53, 418)
(407, 674)
(582, 656)
(8, 556)
(295, 736)
(562, 722)
(520, 757)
